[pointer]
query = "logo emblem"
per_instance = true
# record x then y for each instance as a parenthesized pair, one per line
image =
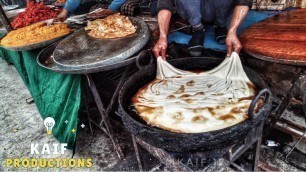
(49, 124)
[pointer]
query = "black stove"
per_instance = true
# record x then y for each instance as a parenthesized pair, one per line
(215, 160)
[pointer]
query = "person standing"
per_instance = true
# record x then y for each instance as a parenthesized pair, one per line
(197, 12)
(72, 6)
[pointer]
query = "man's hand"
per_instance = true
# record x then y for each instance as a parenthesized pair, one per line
(160, 48)
(232, 41)
(232, 44)
(100, 14)
(63, 15)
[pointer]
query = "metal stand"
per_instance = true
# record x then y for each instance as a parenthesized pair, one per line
(298, 88)
(252, 141)
(105, 125)
(5, 20)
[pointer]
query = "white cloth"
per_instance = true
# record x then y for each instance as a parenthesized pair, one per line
(189, 102)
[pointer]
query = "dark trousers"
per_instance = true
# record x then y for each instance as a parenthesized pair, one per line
(205, 11)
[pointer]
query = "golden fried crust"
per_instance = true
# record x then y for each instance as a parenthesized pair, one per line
(35, 33)
(196, 102)
(114, 26)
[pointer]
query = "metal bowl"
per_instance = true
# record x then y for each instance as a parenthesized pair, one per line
(83, 51)
(182, 142)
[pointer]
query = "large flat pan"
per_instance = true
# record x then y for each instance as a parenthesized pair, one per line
(45, 60)
(278, 39)
(277, 60)
(34, 46)
(83, 51)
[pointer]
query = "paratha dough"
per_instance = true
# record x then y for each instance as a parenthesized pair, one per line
(189, 102)
(113, 26)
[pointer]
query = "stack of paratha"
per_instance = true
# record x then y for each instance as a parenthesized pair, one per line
(114, 26)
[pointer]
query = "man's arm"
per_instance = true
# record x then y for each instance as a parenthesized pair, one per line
(70, 7)
(115, 5)
(232, 41)
(112, 8)
(163, 17)
(164, 9)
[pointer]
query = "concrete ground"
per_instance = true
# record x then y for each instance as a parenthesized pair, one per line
(16, 114)
(22, 124)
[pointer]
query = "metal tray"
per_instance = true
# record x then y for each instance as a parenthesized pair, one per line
(83, 51)
(13, 13)
(34, 46)
(45, 60)
(10, 7)
(277, 60)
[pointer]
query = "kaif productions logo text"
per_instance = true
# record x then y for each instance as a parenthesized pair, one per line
(46, 149)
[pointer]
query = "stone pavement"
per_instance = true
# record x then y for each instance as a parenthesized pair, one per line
(22, 124)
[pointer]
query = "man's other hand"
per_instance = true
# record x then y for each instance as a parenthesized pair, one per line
(232, 41)
(62, 16)
(160, 48)
(101, 13)
(232, 44)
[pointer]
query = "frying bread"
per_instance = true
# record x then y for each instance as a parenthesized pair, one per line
(188, 102)
(114, 26)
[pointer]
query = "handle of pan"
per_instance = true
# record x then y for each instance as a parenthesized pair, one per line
(266, 93)
(144, 55)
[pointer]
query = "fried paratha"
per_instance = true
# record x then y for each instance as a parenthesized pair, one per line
(114, 26)
(194, 102)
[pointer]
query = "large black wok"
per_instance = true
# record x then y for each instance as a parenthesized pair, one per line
(181, 142)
